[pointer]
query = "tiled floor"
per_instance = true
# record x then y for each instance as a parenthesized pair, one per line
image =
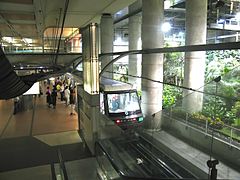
(36, 173)
(30, 141)
(18, 125)
(40, 120)
(84, 169)
(5, 113)
(56, 139)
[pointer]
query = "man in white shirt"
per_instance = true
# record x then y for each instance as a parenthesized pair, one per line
(67, 95)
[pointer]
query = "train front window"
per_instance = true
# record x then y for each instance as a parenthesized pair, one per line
(123, 103)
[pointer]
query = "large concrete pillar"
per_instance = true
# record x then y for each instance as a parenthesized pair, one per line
(152, 64)
(106, 33)
(194, 66)
(134, 37)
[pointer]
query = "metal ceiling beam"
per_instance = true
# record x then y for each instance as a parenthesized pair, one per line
(16, 6)
(64, 59)
(39, 15)
(16, 12)
(19, 22)
(10, 26)
(128, 15)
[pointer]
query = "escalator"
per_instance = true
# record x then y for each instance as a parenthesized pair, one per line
(122, 158)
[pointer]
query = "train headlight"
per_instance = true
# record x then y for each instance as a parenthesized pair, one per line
(118, 121)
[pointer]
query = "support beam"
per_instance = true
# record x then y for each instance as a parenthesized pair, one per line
(106, 33)
(194, 65)
(134, 39)
(152, 64)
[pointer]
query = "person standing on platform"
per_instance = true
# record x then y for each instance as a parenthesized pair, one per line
(54, 96)
(16, 105)
(48, 93)
(62, 92)
(67, 95)
(72, 100)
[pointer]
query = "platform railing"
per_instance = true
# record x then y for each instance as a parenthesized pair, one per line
(216, 114)
(230, 134)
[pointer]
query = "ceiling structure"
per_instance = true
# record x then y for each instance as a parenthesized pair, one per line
(34, 23)
(223, 21)
(39, 24)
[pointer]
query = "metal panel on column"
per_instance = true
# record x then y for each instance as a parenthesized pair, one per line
(89, 93)
(90, 59)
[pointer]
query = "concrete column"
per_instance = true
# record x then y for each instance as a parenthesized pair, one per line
(106, 33)
(134, 37)
(152, 64)
(194, 66)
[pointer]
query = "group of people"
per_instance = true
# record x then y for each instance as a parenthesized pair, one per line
(67, 94)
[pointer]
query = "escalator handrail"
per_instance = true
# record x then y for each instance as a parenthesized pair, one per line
(145, 138)
(160, 163)
(120, 173)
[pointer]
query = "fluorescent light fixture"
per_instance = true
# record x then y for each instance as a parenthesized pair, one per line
(27, 40)
(166, 27)
(8, 39)
(17, 44)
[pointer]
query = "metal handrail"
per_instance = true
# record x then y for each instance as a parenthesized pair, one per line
(206, 126)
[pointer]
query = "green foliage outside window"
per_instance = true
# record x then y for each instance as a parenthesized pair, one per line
(225, 108)
(219, 63)
(170, 95)
(173, 67)
(215, 108)
(235, 112)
